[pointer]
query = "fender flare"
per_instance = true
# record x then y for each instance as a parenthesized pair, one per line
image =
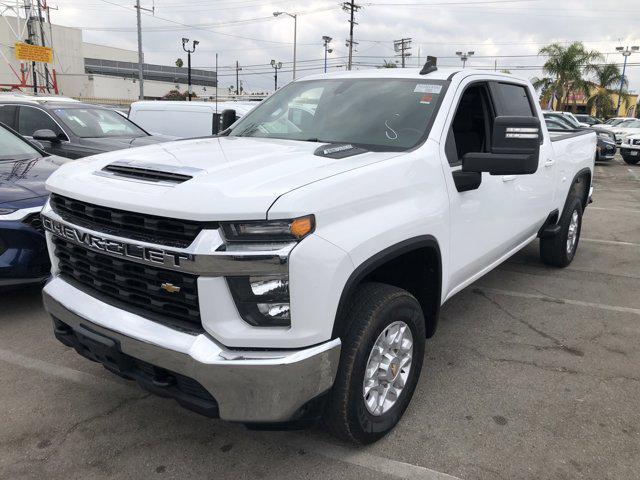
(575, 180)
(371, 264)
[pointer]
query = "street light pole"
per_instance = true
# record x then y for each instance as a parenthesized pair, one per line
(626, 52)
(276, 66)
(464, 56)
(295, 36)
(189, 51)
(326, 40)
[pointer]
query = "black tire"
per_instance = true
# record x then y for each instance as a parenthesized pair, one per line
(372, 309)
(631, 160)
(554, 250)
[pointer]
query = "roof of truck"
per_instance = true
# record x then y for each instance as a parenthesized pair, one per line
(442, 73)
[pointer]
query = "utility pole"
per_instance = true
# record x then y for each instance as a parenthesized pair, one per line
(31, 40)
(238, 68)
(327, 50)
(626, 52)
(216, 83)
(42, 42)
(352, 8)
(402, 47)
(140, 54)
(189, 51)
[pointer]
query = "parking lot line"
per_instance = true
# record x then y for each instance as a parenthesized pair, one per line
(610, 242)
(350, 456)
(359, 458)
(59, 371)
(568, 301)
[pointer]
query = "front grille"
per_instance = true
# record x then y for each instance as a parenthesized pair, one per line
(35, 221)
(135, 226)
(131, 283)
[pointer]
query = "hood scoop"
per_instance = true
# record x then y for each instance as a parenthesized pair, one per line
(147, 172)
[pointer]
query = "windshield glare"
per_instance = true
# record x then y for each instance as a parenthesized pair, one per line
(13, 148)
(379, 114)
(98, 123)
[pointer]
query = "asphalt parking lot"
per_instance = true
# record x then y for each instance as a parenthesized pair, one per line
(533, 374)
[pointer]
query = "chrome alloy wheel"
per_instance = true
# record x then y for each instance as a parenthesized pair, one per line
(572, 236)
(388, 368)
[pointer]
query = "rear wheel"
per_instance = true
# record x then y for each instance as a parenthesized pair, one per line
(560, 249)
(380, 364)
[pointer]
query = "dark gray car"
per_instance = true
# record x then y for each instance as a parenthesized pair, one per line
(73, 129)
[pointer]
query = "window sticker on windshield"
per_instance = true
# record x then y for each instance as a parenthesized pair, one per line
(427, 88)
(426, 99)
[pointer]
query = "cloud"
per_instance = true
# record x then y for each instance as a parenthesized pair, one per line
(507, 33)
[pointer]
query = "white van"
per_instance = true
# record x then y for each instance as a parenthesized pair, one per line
(183, 119)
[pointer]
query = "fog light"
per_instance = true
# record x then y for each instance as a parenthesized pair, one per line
(278, 311)
(269, 286)
(262, 301)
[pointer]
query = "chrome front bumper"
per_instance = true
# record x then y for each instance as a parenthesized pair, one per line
(249, 386)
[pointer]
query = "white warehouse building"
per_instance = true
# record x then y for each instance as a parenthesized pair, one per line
(91, 71)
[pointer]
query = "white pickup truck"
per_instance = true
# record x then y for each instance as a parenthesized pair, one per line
(294, 266)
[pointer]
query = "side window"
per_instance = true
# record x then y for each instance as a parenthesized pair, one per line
(32, 119)
(513, 100)
(470, 131)
(8, 115)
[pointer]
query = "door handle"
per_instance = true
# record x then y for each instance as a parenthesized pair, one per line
(549, 162)
(509, 178)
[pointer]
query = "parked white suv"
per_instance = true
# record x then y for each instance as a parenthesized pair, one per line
(630, 149)
(295, 266)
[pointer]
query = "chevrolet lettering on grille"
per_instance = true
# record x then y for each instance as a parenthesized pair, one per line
(115, 247)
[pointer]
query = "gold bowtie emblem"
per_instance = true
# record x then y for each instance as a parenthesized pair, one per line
(170, 288)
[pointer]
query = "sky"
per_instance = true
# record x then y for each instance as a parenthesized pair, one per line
(509, 32)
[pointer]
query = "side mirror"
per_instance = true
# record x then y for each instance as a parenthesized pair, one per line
(228, 118)
(46, 135)
(37, 144)
(515, 148)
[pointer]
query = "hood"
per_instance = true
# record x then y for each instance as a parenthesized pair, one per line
(626, 130)
(233, 178)
(21, 180)
(109, 144)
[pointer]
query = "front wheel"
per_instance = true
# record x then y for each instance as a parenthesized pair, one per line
(380, 363)
(631, 160)
(560, 249)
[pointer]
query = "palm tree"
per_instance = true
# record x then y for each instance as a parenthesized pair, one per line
(564, 68)
(388, 64)
(606, 83)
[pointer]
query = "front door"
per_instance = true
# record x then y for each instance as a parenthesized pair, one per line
(483, 219)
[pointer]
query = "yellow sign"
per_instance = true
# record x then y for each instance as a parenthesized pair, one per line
(33, 53)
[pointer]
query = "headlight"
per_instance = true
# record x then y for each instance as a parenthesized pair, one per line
(262, 301)
(269, 231)
(7, 211)
(607, 136)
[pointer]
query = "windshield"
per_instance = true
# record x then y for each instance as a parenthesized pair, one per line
(13, 147)
(378, 114)
(629, 124)
(98, 123)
